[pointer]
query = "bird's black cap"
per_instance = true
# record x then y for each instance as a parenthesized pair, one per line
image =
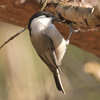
(47, 14)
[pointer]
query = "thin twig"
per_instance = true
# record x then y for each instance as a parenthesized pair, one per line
(44, 5)
(11, 38)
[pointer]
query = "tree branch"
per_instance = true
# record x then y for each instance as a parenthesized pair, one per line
(18, 12)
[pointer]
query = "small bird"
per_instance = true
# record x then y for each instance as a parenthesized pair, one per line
(48, 43)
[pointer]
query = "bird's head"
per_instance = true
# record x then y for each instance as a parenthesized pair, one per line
(45, 18)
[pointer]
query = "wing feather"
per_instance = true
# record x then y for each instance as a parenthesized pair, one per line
(58, 41)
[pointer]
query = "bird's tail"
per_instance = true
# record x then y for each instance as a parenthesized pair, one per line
(58, 81)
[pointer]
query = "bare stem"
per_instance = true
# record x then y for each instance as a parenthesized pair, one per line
(11, 38)
(44, 5)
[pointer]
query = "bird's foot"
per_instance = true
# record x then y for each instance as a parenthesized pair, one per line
(71, 31)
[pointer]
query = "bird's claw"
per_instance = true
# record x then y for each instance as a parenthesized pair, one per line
(71, 31)
(75, 31)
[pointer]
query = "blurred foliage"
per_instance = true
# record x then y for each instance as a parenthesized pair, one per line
(23, 76)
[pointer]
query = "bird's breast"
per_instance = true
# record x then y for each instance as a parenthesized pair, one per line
(40, 42)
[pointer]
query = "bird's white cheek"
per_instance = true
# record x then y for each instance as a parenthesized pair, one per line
(36, 27)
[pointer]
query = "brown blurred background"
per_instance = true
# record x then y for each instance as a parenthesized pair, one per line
(23, 76)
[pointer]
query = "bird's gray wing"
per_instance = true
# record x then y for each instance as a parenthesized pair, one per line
(49, 56)
(58, 41)
(55, 72)
(50, 59)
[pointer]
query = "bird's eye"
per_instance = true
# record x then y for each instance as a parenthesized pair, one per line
(48, 15)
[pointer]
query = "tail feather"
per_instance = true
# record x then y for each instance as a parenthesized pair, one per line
(58, 82)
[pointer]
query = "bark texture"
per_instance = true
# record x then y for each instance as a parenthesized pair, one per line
(18, 12)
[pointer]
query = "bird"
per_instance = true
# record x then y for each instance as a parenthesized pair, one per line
(49, 44)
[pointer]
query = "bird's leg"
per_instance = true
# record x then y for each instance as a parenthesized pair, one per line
(70, 32)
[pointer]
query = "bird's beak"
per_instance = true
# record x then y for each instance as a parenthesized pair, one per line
(55, 19)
